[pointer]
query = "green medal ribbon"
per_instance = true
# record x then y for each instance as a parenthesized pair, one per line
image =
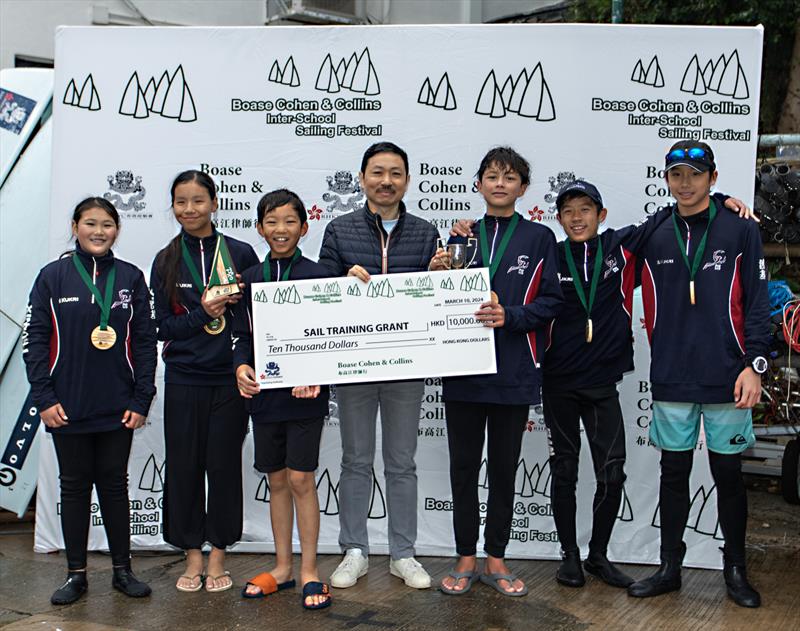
(501, 249)
(104, 304)
(187, 258)
(701, 248)
(598, 264)
(285, 276)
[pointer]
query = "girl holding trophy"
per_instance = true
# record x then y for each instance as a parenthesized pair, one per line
(195, 286)
(89, 346)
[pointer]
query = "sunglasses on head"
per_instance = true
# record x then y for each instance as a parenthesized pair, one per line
(695, 153)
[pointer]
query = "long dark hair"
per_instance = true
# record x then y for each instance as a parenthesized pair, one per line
(168, 261)
(88, 204)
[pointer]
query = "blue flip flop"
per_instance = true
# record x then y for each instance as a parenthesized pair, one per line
(457, 576)
(315, 588)
(492, 581)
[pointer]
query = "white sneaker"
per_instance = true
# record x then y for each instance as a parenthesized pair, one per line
(411, 571)
(353, 567)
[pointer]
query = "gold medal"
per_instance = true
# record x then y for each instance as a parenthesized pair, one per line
(216, 326)
(691, 291)
(589, 331)
(103, 339)
(495, 299)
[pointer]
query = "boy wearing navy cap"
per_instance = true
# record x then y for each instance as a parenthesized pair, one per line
(704, 288)
(590, 349)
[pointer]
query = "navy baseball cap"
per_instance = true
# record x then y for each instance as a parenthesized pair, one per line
(580, 187)
(691, 153)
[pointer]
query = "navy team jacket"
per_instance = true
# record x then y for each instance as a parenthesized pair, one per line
(94, 387)
(192, 356)
(699, 350)
(527, 286)
(274, 405)
(571, 362)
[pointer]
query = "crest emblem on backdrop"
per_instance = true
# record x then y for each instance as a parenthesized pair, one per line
(125, 191)
(344, 193)
(557, 182)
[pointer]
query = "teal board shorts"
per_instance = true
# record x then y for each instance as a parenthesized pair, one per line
(676, 426)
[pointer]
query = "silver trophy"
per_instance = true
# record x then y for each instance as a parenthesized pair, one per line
(459, 252)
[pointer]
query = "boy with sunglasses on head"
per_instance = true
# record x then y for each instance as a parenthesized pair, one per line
(590, 348)
(704, 288)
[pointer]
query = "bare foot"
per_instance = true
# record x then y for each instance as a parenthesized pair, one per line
(217, 580)
(494, 565)
(280, 574)
(192, 575)
(316, 599)
(465, 564)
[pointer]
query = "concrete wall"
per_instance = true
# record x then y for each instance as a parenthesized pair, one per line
(27, 27)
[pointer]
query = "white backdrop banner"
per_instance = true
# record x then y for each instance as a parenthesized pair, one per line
(262, 108)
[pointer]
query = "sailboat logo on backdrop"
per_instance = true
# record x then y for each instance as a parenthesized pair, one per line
(442, 97)
(285, 74)
(526, 95)
(152, 477)
(703, 518)
(355, 73)
(169, 97)
(723, 75)
(652, 76)
(86, 98)
(328, 493)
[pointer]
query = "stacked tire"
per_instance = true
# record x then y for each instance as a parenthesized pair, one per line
(777, 202)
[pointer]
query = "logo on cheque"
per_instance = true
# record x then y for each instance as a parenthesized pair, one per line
(271, 370)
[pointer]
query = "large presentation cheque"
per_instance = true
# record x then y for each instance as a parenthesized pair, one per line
(398, 326)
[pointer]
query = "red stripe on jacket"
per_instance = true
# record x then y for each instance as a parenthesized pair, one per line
(628, 281)
(736, 304)
(649, 300)
(54, 341)
(530, 296)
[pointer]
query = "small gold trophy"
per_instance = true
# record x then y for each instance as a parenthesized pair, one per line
(222, 281)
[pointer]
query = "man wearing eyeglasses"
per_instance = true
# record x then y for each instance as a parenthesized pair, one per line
(704, 288)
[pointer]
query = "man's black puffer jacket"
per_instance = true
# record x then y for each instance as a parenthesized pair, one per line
(358, 238)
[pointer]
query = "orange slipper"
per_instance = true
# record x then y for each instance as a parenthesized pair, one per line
(267, 584)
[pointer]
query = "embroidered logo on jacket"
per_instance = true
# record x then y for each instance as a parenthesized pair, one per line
(124, 299)
(717, 260)
(611, 266)
(68, 299)
(521, 266)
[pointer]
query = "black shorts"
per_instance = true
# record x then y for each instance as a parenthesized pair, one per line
(287, 444)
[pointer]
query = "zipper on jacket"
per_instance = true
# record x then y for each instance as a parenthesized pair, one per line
(586, 261)
(688, 235)
(494, 240)
(384, 248)
(94, 275)
(203, 262)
